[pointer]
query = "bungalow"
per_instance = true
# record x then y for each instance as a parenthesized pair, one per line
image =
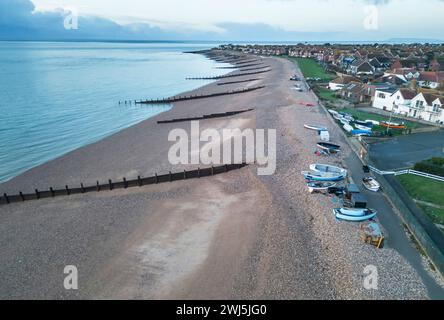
(361, 67)
(353, 92)
(431, 79)
(341, 82)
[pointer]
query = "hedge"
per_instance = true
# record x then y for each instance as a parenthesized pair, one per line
(431, 168)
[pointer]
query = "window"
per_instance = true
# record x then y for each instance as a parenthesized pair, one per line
(436, 107)
(381, 95)
(419, 104)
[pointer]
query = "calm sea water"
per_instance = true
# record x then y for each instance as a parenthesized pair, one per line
(56, 97)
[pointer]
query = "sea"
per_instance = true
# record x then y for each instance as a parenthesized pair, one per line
(58, 96)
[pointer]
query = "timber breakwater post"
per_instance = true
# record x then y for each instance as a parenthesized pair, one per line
(199, 96)
(7, 199)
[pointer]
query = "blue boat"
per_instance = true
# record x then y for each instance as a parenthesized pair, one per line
(355, 215)
(361, 133)
(323, 176)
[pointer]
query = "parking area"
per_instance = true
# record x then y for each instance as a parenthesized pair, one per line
(405, 151)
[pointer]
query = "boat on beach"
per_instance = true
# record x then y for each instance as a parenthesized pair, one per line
(374, 122)
(362, 127)
(364, 123)
(314, 127)
(322, 176)
(355, 215)
(320, 185)
(326, 168)
(371, 184)
(392, 125)
(361, 133)
(348, 127)
(330, 147)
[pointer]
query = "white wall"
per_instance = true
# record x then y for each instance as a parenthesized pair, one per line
(383, 101)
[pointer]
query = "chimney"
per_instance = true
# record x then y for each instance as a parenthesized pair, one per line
(414, 84)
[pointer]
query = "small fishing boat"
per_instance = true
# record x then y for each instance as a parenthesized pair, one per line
(320, 185)
(337, 116)
(361, 127)
(393, 125)
(327, 169)
(371, 184)
(361, 133)
(332, 112)
(363, 123)
(344, 121)
(356, 215)
(346, 116)
(374, 122)
(330, 147)
(322, 176)
(348, 127)
(314, 127)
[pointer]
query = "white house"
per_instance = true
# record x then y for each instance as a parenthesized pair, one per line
(383, 99)
(401, 101)
(427, 107)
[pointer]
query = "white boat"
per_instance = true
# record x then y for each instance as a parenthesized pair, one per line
(314, 127)
(326, 168)
(337, 116)
(376, 123)
(348, 127)
(344, 121)
(320, 185)
(322, 176)
(371, 184)
(356, 215)
(361, 127)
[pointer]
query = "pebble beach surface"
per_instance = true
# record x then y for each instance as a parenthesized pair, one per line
(232, 236)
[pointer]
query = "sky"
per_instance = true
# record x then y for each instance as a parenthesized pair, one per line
(225, 20)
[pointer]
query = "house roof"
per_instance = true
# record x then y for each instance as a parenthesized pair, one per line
(431, 76)
(407, 94)
(345, 79)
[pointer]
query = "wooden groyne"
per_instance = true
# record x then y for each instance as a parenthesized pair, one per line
(198, 96)
(239, 81)
(253, 69)
(122, 184)
(241, 66)
(206, 116)
(229, 75)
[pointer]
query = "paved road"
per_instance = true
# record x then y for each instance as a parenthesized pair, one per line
(407, 150)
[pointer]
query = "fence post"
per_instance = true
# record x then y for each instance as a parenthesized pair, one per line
(52, 191)
(125, 183)
(212, 170)
(139, 180)
(37, 193)
(6, 198)
(110, 184)
(184, 174)
(82, 187)
(67, 190)
(98, 186)
(157, 178)
(22, 196)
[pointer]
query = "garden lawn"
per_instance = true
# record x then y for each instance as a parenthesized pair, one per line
(326, 94)
(360, 115)
(311, 69)
(427, 190)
